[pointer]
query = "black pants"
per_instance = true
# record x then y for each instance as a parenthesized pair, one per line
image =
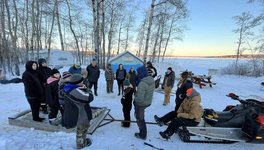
(95, 86)
(168, 117)
(120, 85)
(178, 122)
(34, 105)
(54, 109)
(139, 115)
(127, 106)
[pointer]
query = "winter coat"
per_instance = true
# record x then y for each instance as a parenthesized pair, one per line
(183, 86)
(52, 87)
(109, 74)
(61, 92)
(145, 88)
(132, 76)
(191, 107)
(74, 70)
(93, 73)
(169, 79)
(33, 88)
(44, 73)
(121, 74)
(77, 100)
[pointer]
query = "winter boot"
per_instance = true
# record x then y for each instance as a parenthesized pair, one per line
(125, 124)
(137, 135)
(87, 142)
(39, 119)
(158, 120)
(166, 134)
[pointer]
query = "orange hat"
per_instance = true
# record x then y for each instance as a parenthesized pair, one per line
(189, 91)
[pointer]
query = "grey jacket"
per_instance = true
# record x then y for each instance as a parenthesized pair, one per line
(145, 91)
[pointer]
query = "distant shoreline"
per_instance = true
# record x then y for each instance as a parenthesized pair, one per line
(224, 56)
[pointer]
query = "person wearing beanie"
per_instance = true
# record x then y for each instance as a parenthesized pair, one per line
(126, 102)
(189, 114)
(75, 69)
(64, 80)
(44, 72)
(183, 85)
(33, 89)
(93, 75)
(132, 76)
(52, 96)
(77, 110)
(109, 77)
(168, 84)
(143, 99)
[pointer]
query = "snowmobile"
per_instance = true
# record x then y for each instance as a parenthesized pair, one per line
(241, 123)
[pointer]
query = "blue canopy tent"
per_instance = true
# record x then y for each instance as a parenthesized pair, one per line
(127, 59)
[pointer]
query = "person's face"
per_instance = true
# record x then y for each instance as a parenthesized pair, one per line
(132, 69)
(34, 66)
(121, 67)
(168, 71)
(57, 75)
(44, 64)
(94, 63)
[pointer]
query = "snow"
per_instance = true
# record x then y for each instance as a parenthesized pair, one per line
(113, 136)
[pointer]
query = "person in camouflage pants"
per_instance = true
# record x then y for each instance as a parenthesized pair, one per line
(109, 77)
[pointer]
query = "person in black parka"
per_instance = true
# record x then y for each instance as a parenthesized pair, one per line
(93, 75)
(126, 102)
(132, 76)
(120, 77)
(52, 95)
(33, 89)
(151, 70)
(183, 85)
(44, 72)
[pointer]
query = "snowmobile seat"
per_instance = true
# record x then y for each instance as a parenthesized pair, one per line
(224, 116)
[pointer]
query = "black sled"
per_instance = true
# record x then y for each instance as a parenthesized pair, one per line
(241, 123)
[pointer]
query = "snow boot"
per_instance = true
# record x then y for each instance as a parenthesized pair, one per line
(158, 120)
(125, 124)
(137, 135)
(166, 134)
(39, 119)
(86, 143)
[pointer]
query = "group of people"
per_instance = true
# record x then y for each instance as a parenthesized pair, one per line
(71, 95)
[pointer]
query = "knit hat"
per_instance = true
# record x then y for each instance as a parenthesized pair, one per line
(66, 74)
(184, 74)
(54, 71)
(170, 68)
(189, 91)
(126, 82)
(41, 60)
(76, 79)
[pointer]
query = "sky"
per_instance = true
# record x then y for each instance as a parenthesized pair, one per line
(210, 27)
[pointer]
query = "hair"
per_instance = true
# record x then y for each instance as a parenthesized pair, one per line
(120, 65)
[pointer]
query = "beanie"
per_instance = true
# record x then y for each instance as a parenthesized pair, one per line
(170, 68)
(76, 79)
(189, 91)
(41, 60)
(65, 75)
(126, 82)
(54, 71)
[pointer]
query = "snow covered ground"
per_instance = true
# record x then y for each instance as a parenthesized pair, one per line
(113, 136)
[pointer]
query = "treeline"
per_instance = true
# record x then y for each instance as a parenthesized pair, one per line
(95, 28)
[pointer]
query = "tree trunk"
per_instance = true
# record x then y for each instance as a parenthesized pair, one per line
(51, 29)
(59, 25)
(161, 38)
(119, 36)
(33, 29)
(155, 44)
(74, 35)
(149, 30)
(103, 33)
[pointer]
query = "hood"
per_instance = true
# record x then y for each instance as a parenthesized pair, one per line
(194, 93)
(69, 87)
(29, 65)
(142, 72)
(40, 61)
